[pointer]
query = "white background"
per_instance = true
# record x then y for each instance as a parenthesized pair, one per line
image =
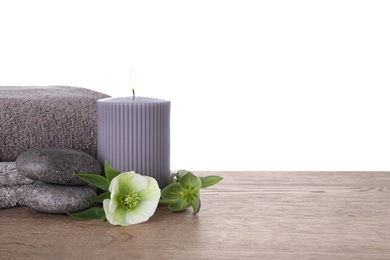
(254, 85)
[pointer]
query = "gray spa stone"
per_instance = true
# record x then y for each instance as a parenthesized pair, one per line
(56, 165)
(55, 198)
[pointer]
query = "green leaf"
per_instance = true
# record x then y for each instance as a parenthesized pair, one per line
(210, 180)
(91, 213)
(96, 180)
(110, 172)
(171, 192)
(101, 197)
(190, 180)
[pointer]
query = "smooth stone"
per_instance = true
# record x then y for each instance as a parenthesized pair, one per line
(55, 198)
(56, 165)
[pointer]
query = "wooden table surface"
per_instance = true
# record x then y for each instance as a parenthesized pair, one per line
(260, 215)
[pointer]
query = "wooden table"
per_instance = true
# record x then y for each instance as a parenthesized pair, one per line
(261, 215)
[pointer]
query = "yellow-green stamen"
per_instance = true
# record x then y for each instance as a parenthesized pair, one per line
(188, 194)
(129, 199)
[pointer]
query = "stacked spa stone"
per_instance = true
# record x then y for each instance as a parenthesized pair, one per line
(56, 188)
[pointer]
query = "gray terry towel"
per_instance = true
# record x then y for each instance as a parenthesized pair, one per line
(56, 116)
(12, 184)
(11, 196)
(9, 176)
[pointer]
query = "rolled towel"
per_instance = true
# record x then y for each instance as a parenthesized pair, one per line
(11, 196)
(56, 116)
(9, 176)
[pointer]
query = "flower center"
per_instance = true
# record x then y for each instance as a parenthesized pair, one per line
(129, 199)
(188, 194)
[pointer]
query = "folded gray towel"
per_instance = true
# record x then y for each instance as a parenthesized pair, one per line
(11, 196)
(56, 116)
(9, 176)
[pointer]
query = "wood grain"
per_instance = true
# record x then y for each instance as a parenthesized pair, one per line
(260, 215)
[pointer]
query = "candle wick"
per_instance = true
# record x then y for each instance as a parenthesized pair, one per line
(133, 81)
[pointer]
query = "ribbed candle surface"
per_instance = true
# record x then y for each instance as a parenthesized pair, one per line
(134, 135)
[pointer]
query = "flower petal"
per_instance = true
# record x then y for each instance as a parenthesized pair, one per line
(124, 180)
(133, 217)
(152, 192)
(113, 186)
(139, 183)
(114, 197)
(190, 180)
(131, 181)
(171, 191)
(146, 208)
(117, 217)
(141, 213)
(179, 204)
(114, 202)
(106, 206)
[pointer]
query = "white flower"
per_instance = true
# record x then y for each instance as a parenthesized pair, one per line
(134, 199)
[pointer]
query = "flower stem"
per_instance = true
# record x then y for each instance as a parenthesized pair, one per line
(162, 201)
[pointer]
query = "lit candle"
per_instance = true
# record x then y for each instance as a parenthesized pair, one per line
(134, 134)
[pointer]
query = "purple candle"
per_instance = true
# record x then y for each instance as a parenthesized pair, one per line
(134, 135)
